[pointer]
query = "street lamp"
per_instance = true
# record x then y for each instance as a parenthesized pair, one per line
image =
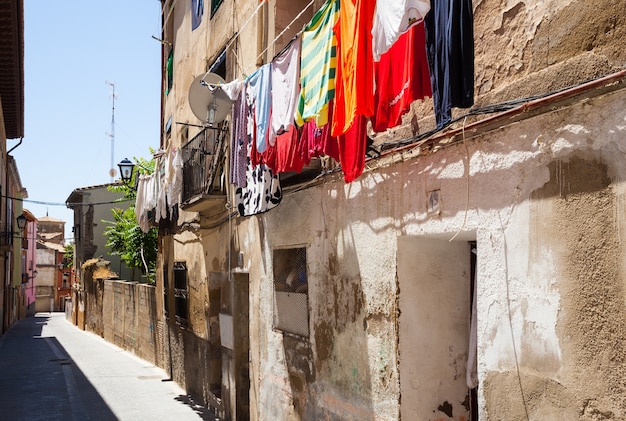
(126, 170)
(21, 222)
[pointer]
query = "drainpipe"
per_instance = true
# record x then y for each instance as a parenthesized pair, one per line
(14, 147)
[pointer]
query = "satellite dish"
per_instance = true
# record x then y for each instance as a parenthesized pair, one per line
(207, 101)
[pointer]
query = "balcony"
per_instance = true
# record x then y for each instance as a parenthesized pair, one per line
(204, 175)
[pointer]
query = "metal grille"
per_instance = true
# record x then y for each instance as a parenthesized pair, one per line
(180, 292)
(203, 163)
(291, 293)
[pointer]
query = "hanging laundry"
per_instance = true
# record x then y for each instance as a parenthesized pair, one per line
(450, 50)
(175, 186)
(146, 200)
(318, 64)
(285, 86)
(232, 89)
(317, 141)
(402, 76)
(354, 93)
(161, 180)
(262, 191)
(352, 148)
(259, 91)
(392, 18)
(239, 141)
(268, 157)
(288, 154)
(354, 96)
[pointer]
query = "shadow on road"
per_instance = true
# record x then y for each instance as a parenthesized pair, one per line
(40, 381)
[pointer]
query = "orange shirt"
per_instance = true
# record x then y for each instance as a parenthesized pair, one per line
(354, 86)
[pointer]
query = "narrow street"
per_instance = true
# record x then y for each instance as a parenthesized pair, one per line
(51, 370)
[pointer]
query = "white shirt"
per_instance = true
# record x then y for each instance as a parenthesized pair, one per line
(392, 18)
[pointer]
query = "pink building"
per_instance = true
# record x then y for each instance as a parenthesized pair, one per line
(29, 265)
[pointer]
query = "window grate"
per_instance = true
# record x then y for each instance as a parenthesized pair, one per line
(291, 300)
(180, 293)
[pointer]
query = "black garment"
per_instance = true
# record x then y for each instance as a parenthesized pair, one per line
(450, 51)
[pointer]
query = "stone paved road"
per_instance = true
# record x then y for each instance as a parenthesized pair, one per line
(51, 370)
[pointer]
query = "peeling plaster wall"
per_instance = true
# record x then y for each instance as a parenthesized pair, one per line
(544, 46)
(545, 205)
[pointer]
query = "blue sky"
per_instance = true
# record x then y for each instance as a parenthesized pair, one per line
(71, 50)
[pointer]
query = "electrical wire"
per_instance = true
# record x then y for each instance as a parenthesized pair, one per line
(486, 109)
(282, 33)
(66, 204)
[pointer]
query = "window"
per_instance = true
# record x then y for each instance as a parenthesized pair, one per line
(168, 37)
(197, 10)
(215, 4)
(170, 72)
(291, 291)
(180, 293)
(219, 65)
(166, 287)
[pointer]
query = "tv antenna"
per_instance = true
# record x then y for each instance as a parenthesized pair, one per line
(111, 134)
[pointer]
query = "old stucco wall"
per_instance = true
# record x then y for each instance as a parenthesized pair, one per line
(541, 200)
(528, 48)
(499, 191)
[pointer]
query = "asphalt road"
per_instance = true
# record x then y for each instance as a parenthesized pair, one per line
(51, 370)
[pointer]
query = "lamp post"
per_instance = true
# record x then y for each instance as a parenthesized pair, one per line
(126, 170)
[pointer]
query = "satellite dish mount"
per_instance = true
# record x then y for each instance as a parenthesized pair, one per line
(208, 102)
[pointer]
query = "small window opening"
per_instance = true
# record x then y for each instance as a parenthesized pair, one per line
(291, 291)
(180, 293)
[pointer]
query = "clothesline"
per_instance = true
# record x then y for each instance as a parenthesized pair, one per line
(281, 34)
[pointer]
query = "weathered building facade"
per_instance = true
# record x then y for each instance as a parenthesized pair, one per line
(515, 208)
(11, 127)
(50, 253)
(92, 208)
(28, 264)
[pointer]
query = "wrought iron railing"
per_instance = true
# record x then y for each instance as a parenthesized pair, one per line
(203, 166)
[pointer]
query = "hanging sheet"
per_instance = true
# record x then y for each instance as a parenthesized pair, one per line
(318, 64)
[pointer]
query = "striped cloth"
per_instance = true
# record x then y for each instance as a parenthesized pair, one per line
(318, 64)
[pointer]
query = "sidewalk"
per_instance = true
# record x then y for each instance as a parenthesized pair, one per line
(51, 370)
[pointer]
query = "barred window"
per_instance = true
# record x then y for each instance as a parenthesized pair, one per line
(166, 287)
(291, 291)
(180, 292)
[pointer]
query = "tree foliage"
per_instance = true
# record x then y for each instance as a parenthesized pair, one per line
(137, 249)
(69, 255)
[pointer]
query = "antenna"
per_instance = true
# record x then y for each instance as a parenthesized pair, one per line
(111, 134)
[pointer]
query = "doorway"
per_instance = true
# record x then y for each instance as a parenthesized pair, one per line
(435, 285)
